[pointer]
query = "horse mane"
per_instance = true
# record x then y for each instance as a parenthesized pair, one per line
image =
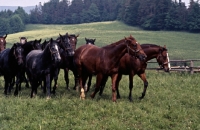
(147, 45)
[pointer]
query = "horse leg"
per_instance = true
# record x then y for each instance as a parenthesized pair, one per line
(18, 84)
(103, 84)
(114, 78)
(119, 77)
(66, 76)
(143, 77)
(130, 87)
(89, 83)
(98, 82)
(48, 85)
(26, 81)
(55, 76)
(6, 85)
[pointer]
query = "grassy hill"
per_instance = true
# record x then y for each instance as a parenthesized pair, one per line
(172, 100)
(181, 45)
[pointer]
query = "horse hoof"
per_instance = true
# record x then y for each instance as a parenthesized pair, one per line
(48, 97)
(141, 97)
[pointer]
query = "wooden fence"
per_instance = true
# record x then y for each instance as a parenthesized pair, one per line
(181, 66)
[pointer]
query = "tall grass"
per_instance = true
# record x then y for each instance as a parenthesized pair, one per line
(172, 100)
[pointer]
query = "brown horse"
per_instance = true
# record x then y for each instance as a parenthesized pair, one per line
(90, 59)
(3, 42)
(73, 40)
(131, 66)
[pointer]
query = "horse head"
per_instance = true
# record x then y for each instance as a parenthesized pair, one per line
(90, 41)
(73, 40)
(134, 48)
(37, 45)
(163, 59)
(64, 43)
(23, 40)
(54, 49)
(2, 42)
(18, 53)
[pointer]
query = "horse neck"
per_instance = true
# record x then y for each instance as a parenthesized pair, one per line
(115, 51)
(151, 53)
(27, 48)
(11, 57)
(46, 54)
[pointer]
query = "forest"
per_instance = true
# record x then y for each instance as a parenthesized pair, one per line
(146, 14)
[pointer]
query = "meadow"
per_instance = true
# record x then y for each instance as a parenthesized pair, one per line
(172, 100)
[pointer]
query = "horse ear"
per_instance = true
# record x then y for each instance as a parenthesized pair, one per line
(85, 38)
(5, 36)
(164, 46)
(40, 40)
(77, 35)
(94, 39)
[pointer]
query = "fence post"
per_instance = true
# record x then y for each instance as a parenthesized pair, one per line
(191, 67)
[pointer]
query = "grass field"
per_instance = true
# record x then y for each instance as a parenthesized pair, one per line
(172, 100)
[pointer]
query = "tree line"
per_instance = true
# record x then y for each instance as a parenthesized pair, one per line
(147, 14)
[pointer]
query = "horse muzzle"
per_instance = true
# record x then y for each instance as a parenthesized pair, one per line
(142, 57)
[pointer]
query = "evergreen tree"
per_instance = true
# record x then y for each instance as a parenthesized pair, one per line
(16, 24)
(4, 25)
(193, 19)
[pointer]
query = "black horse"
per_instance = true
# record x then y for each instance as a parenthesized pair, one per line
(90, 41)
(11, 63)
(28, 47)
(40, 65)
(66, 53)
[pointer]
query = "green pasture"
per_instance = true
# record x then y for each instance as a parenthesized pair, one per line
(172, 100)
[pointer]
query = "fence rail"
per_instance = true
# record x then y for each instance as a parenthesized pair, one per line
(184, 67)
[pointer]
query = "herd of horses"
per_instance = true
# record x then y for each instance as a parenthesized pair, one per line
(39, 63)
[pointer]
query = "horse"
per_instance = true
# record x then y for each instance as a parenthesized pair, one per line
(66, 52)
(28, 47)
(131, 66)
(90, 41)
(23, 40)
(11, 62)
(67, 61)
(39, 64)
(3, 42)
(90, 59)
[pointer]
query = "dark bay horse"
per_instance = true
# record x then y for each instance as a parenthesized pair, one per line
(67, 61)
(23, 40)
(90, 41)
(131, 66)
(27, 47)
(66, 53)
(39, 65)
(90, 59)
(11, 63)
(3, 42)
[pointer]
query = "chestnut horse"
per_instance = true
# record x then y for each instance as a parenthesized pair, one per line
(3, 42)
(90, 59)
(131, 66)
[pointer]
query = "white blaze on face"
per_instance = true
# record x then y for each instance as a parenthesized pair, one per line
(56, 46)
(168, 61)
(23, 41)
(1, 40)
